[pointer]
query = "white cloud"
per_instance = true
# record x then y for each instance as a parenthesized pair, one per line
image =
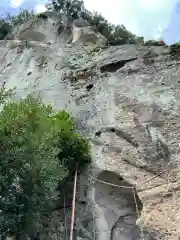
(158, 33)
(172, 32)
(142, 17)
(40, 8)
(16, 3)
(151, 4)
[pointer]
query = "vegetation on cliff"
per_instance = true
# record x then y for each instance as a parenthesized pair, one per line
(5, 28)
(116, 34)
(39, 150)
(10, 21)
(174, 50)
(22, 17)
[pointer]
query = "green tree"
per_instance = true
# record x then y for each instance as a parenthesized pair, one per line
(23, 16)
(140, 40)
(76, 9)
(102, 25)
(120, 33)
(10, 21)
(35, 145)
(71, 8)
(5, 28)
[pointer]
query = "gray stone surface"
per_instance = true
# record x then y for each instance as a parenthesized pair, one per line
(131, 115)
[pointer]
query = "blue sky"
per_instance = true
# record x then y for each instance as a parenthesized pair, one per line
(148, 18)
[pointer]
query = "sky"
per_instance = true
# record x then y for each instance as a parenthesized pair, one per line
(148, 18)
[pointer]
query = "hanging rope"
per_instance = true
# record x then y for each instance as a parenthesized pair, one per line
(73, 206)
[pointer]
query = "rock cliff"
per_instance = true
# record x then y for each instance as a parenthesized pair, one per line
(127, 100)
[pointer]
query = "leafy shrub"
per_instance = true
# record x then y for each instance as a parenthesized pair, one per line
(140, 40)
(42, 16)
(153, 43)
(5, 27)
(72, 8)
(174, 50)
(23, 16)
(38, 149)
(10, 21)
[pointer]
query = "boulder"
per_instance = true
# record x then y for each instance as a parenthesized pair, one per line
(85, 34)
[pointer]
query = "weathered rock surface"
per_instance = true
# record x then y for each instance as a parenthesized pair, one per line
(126, 99)
(84, 34)
(51, 27)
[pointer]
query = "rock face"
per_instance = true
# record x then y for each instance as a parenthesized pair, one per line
(126, 99)
(50, 27)
(46, 27)
(84, 34)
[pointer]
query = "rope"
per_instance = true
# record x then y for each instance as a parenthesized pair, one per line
(73, 206)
